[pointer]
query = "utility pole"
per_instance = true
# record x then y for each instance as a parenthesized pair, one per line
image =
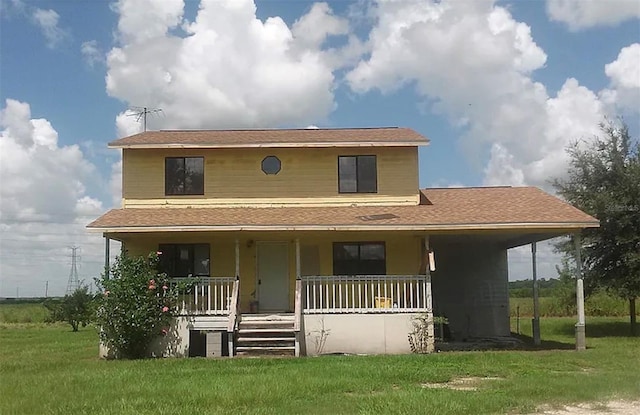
(46, 290)
(73, 283)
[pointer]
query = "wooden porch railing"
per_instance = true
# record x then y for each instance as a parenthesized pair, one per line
(365, 294)
(208, 296)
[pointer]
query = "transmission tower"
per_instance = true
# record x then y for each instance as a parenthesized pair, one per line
(74, 282)
(141, 114)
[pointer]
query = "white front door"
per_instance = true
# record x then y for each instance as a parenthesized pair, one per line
(273, 276)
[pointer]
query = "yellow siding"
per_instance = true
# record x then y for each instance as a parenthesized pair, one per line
(402, 252)
(235, 174)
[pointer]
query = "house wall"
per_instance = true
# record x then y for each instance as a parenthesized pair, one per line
(357, 333)
(402, 252)
(233, 177)
(470, 289)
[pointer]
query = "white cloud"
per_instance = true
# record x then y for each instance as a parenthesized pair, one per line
(45, 205)
(475, 62)
(520, 261)
(91, 53)
(583, 14)
(624, 73)
(47, 21)
(227, 68)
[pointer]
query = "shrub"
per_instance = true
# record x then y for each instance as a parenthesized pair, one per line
(75, 308)
(136, 306)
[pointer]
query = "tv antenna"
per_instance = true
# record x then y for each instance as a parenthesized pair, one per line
(141, 114)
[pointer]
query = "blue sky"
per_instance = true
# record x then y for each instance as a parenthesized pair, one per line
(500, 88)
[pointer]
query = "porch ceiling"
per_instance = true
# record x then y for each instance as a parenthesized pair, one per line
(521, 213)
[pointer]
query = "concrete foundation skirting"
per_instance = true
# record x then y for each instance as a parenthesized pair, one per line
(176, 342)
(382, 333)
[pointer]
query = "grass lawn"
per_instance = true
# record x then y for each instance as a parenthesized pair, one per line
(47, 369)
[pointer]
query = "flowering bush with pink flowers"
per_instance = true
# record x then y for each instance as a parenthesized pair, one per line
(136, 306)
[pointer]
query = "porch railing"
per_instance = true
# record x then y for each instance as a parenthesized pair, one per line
(205, 296)
(365, 294)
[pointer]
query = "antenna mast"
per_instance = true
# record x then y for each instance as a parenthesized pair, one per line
(73, 283)
(141, 114)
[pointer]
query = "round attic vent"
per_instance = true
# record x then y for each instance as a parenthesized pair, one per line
(271, 165)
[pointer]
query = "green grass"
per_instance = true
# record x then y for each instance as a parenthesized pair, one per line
(23, 313)
(47, 369)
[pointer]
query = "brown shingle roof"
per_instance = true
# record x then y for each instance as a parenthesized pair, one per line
(443, 209)
(390, 136)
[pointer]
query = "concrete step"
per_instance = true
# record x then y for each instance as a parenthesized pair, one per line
(266, 339)
(265, 330)
(265, 349)
(265, 325)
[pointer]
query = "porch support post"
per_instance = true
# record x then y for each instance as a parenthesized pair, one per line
(581, 342)
(298, 267)
(536, 303)
(428, 295)
(107, 265)
(237, 258)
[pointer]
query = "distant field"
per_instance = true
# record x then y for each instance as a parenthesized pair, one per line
(48, 369)
(23, 313)
(600, 305)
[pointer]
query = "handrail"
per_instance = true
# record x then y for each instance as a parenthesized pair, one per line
(234, 311)
(233, 306)
(298, 306)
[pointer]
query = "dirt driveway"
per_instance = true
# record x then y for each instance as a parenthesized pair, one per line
(608, 408)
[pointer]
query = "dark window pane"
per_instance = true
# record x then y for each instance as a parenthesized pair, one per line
(367, 176)
(359, 259)
(371, 251)
(194, 176)
(174, 176)
(347, 174)
(182, 260)
(201, 259)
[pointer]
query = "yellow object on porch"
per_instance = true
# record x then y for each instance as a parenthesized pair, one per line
(383, 302)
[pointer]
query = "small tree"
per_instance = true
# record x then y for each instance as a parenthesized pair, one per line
(75, 308)
(136, 306)
(604, 181)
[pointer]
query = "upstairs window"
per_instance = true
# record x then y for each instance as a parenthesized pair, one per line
(357, 174)
(183, 176)
(359, 258)
(182, 260)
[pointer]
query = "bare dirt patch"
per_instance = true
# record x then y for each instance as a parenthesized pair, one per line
(599, 408)
(471, 383)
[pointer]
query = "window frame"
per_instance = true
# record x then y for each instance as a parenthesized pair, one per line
(172, 250)
(361, 266)
(358, 169)
(168, 191)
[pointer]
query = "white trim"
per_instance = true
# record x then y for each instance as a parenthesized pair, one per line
(542, 226)
(317, 144)
(351, 199)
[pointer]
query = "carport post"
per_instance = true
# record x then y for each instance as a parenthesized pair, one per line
(536, 304)
(429, 305)
(581, 342)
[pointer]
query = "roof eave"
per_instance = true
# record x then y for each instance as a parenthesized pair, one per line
(528, 226)
(113, 145)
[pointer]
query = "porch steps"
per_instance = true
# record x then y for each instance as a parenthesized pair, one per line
(265, 335)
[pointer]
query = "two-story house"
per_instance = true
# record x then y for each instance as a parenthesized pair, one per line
(320, 240)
